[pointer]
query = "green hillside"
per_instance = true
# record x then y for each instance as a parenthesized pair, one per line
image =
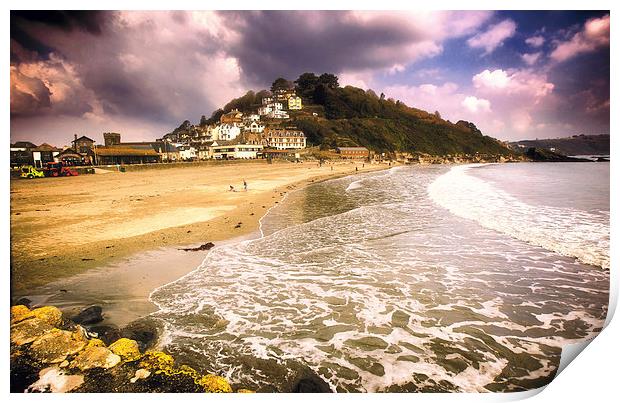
(335, 116)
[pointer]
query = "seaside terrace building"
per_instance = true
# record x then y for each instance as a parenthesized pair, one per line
(353, 152)
(284, 139)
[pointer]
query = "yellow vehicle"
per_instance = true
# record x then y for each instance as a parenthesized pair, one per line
(30, 172)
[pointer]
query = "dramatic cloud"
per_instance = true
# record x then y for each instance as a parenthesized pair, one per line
(494, 36)
(159, 66)
(535, 41)
(594, 35)
(341, 41)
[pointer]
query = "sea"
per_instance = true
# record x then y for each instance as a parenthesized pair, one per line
(436, 278)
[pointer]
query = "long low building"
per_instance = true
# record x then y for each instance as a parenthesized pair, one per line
(126, 154)
(353, 152)
(236, 151)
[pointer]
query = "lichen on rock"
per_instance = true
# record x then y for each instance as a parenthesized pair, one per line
(19, 313)
(215, 384)
(157, 362)
(48, 314)
(55, 345)
(28, 331)
(39, 338)
(95, 357)
(95, 343)
(127, 349)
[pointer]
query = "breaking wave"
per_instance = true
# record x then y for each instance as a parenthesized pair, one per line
(569, 232)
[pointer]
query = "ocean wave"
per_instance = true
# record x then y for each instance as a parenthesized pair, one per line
(569, 232)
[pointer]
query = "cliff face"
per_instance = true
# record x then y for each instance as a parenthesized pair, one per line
(575, 145)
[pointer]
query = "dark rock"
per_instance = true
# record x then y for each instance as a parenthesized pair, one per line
(144, 331)
(24, 371)
(88, 316)
(205, 246)
(544, 155)
(311, 383)
(107, 334)
(23, 301)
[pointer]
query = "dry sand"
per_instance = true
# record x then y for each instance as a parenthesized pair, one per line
(64, 226)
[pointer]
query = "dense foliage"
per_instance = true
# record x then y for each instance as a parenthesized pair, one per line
(352, 116)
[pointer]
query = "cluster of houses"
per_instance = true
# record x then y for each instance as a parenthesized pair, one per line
(237, 135)
(244, 135)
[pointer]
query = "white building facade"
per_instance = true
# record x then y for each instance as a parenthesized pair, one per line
(236, 151)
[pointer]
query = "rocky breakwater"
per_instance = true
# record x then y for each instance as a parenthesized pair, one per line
(50, 353)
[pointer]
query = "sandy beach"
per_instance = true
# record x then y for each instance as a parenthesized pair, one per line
(64, 226)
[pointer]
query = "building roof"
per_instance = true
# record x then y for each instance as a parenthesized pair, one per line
(84, 138)
(47, 147)
(23, 144)
(127, 151)
(352, 149)
(269, 131)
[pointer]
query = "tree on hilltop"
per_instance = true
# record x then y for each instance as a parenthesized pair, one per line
(329, 80)
(281, 84)
(306, 84)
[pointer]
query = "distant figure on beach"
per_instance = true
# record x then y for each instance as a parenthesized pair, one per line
(355, 169)
(245, 185)
(232, 188)
(332, 167)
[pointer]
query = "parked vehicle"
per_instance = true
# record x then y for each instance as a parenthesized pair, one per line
(59, 169)
(30, 172)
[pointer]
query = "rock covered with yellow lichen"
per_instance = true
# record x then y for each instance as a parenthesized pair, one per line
(127, 349)
(46, 357)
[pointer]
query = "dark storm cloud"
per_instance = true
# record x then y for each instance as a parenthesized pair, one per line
(91, 21)
(125, 67)
(288, 43)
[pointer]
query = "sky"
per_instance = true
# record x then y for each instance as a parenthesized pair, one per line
(515, 74)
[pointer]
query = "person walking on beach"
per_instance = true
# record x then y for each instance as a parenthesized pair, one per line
(245, 185)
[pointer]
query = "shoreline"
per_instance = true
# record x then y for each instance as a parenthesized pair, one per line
(144, 263)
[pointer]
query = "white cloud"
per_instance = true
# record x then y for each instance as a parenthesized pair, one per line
(535, 41)
(494, 36)
(594, 35)
(476, 105)
(491, 79)
(531, 58)
(514, 82)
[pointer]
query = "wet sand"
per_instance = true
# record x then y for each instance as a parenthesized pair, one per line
(122, 288)
(61, 227)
